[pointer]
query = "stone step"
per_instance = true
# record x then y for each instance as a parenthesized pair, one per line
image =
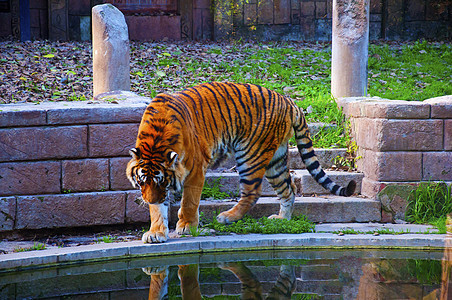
(331, 209)
(325, 156)
(306, 185)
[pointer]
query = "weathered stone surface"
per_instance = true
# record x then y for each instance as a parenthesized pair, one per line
(85, 175)
(370, 188)
(28, 178)
(349, 48)
(250, 14)
(391, 166)
(137, 211)
(309, 186)
(112, 140)
(389, 109)
(394, 199)
(307, 8)
(317, 209)
(70, 210)
(7, 213)
(43, 143)
(437, 166)
(10, 116)
(118, 178)
(157, 27)
(325, 156)
(441, 107)
(93, 114)
(398, 135)
(265, 12)
(448, 135)
(111, 66)
(282, 11)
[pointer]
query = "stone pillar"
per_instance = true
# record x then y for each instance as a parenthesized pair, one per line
(350, 48)
(111, 63)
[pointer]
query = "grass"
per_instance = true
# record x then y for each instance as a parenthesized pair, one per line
(107, 239)
(212, 190)
(36, 246)
(298, 224)
(430, 203)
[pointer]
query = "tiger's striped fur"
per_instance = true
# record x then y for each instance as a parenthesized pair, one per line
(182, 134)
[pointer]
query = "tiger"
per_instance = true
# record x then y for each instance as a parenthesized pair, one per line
(183, 134)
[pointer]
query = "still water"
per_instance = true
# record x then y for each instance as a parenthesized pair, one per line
(304, 274)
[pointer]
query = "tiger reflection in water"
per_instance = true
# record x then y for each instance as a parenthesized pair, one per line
(251, 288)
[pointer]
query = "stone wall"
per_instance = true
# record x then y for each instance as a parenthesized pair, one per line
(57, 160)
(215, 20)
(401, 144)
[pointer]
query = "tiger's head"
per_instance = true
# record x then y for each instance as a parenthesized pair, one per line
(155, 175)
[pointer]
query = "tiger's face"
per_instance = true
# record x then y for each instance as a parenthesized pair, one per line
(155, 177)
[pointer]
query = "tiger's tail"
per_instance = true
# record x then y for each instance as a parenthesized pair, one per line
(306, 150)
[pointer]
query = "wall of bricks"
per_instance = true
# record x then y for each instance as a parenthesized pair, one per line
(215, 20)
(401, 142)
(65, 164)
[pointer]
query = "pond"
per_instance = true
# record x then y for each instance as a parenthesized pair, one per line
(303, 274)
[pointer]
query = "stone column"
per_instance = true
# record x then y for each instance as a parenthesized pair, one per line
(350, 48)
(111, 62)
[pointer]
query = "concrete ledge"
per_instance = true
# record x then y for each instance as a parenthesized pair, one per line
(210, 244)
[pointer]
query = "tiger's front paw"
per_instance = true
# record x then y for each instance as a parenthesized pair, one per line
(155, 236)
(276, 217)
(183, 227)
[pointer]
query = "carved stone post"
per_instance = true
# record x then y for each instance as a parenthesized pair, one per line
(111, 58)
(350, 48)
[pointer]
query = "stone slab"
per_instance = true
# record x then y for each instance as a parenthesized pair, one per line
(28, 178)
(32, 143)
(218, 244)
(70, 210)
(118, 178)
(137, 211)
(10, 117)
(111, 140)
(437, 166)
(158, 27)
(317, 209)
(85, 175)
(7, 213)
(441, 107)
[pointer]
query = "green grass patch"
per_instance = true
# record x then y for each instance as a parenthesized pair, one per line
(36, 246)
(212, 190)
(430, 202)
(298, 224)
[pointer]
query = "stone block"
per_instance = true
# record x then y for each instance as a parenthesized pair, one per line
(11, 116)
(157, 27)
(70, 210)
(375, 6)
(7, 213)
(325, 157)
(308, 185)
(390, 109)
(111, 62)
(96, 114)
(250, 14)
(112, 140)
(437, 166)
(391, 166)
(448, 135)
(394, 200)
(80, 7)
(398, 135)
(435, 10)
(320, 10)
(28, 178)
(265, 12)
(39, 4)
(34, 18)
(85, 175)
(43, 143)
(5, 25)
(415, 10)
(370, 188)
(118, 178)
(441, 107)
(307, 8)
(137, 211)
(201, 4)
(307, 27)
(282, 11)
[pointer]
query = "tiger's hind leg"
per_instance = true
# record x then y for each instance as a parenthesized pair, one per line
(251, 171)
(279, 178)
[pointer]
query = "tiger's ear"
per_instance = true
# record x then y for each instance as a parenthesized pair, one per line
(135, 153)
(173, 158)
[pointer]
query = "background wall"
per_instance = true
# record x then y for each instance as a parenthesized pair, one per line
(216, 20)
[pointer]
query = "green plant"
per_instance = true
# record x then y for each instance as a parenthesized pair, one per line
(298, 224)
(425, 271)
(429, 202)
(212, 188)
(348, 163)
(36, 246)
(197, 231)
(107, 239)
